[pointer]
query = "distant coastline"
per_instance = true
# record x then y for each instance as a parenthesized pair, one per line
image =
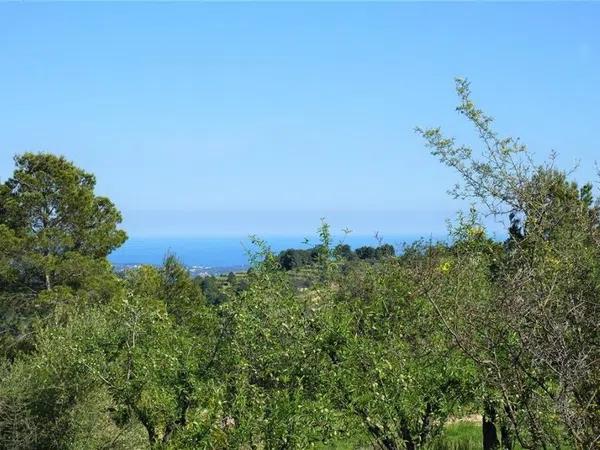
(217, 255)
(195, 271)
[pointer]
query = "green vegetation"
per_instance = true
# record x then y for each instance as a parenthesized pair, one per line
(461, 435)
(325, 347)
(298, 258)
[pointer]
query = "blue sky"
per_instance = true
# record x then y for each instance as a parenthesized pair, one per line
(208, 119)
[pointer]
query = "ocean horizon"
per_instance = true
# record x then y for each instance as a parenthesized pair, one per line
(233, 251)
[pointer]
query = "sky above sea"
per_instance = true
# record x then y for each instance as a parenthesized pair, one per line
(228, 119)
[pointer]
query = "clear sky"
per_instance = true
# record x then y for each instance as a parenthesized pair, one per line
(206, 118)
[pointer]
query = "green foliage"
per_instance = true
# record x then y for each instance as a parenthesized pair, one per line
(535, 333)
(322, 347)
(275, 392)
(392, 368)
(344, 252)
(383, 251)
(43, 393)
(459, 436)
(54, 221)
(212, 290)
(292, 259)
(136, 360)
(55, 236)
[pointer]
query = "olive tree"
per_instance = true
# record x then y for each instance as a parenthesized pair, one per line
(537, 338)
(393, 369)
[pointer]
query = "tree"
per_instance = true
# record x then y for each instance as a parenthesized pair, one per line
(375, 253)
(291, 259)
(385, 251)
(56, 234)
(136, 370)
(393, 369)
(211, 289)
(365, 252)
(49, 208)
(536, 335)
(275, 397)
(231, 280)
(343, 251)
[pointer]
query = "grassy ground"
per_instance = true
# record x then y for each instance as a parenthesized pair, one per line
(462, 435)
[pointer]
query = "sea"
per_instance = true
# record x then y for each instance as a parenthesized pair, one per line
(217, 255)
